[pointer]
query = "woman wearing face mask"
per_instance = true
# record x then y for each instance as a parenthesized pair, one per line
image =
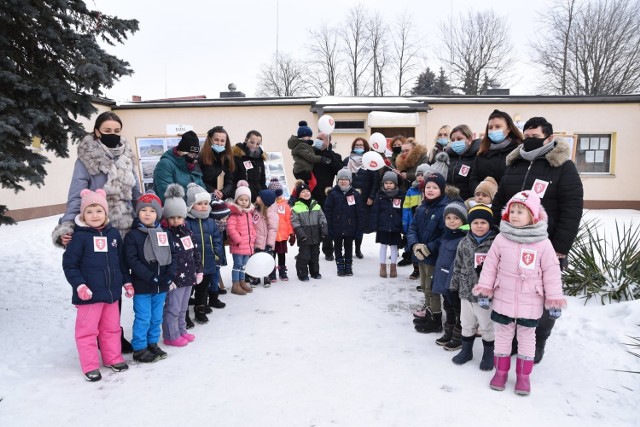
(396, 148)
(441, 142)
(178, 165)
(249, 159)
(217, 164)
(501, 136)
(462, 151)
(411, 156)
(105, 161)
(363, 180)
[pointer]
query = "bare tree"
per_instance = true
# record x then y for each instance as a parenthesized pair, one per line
(406, 51)
(377, 32)
(597, 52)
(476, 45)
(323, 61)
(283, 77)
(356, 50)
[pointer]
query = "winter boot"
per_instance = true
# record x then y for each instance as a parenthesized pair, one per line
(455, 343)
(466, 353)
(430, 326)
(348, 266)
(243, 284)
(447, 334)
(523, 370)
(187, 319)
(208, 309)
(272, 276)
(254, 282)
(178, 342)
(282, 271)
(145, 356)
(486, 364)
(539, 351)
(383, 270)
(154, 349)
(214, 301)
(93, 376)
(358, 243)
(237, 289)
(201, 316)
(393, 271)
(342, 269)
(502, 364)
(266, 282)
(125, 345)
(406, 259)
(416, 274)
(221, 289)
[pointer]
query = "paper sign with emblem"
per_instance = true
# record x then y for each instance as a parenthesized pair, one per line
(186, 242)
(163, 240)
(464, 170)
(478, 259)
(540, 187)
(248, 165)
(351, 200)
(100, 244)
(396, 203)
(281, 209)
(528, 258)
(256, 217)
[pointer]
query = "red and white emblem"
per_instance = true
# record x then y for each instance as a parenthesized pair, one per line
(186, 242)
(100, 244)
(540, 187)
(248, 165)
(163, 240)
(396, 203)
(281, 209)
(373, 164)
(464, 170)
(528, 258)
(478, 259)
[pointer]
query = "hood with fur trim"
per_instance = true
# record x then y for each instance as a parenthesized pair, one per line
(240, 152)
(556, 157)
(416, 156)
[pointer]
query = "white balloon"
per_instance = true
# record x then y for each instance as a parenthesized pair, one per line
(372, 161)
(326, 124)
(260, 264)
(378, 142)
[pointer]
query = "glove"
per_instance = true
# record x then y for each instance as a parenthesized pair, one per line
(326, 160)
(421, 251)
(128, 290)
(84, 292)
(172, 286)
(555, 313)
(292, 239)
(268, 249)
(484, 303)
(199, 277)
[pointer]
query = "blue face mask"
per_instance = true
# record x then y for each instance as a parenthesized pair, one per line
(496, 136)
(458, 146)
(218, 148)
(358, 150)
(317, 144)
(442, 141)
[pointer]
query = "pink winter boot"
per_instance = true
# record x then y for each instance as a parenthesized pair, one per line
(502, 364)
(523, 369)
(178, 342)
(189, 337)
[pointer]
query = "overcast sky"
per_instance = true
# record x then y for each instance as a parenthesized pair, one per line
(193, 47)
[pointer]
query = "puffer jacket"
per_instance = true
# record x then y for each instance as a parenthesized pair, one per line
(443, 271)
(188, 255)
(491, 163)
(325, 173)
(240, 230)
(172, 169)
(210, 174)
(344, 219)
(366, 181)
(250, 169)
(208, 239)
(465, 273)
(427, 227)
(412, 200)
(309, 223)
(304, 156)
(266, 227)
(104, 273)
(459, 173)
(285, 229)
(386, 213)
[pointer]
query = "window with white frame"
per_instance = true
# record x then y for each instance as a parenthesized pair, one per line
(593, 153)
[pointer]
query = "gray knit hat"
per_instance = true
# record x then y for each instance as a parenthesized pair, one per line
(196, 194)
(149, 199)
(344, 173)
(174, 205)
(441, 164)
(423, 169)
(390, 176)
(458, 208)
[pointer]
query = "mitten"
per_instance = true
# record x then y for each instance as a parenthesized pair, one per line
(268, 249)
(172, 286)
(292, 239)
(421, 251)
(84, 292)
(555, 313)
(199, 277)
(483, 302)
(128, 290)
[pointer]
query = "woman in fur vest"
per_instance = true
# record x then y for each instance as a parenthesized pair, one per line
(411, 156)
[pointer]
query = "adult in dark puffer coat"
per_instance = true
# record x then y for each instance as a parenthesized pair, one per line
(217, 163)
(462, 151)
(250, 167)
(544, 166)
(500, 138)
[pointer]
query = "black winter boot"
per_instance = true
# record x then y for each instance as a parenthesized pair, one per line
(358, 251)
(201, 315)
(187, 319)
(448, 331)
(282, 271)
(433, 325)
(342, 269)
(406, 259)
(466, 353)
(214, 301)
(539, 352)
(348, 266)
(486, 364)
(455, 343)
(126, 345)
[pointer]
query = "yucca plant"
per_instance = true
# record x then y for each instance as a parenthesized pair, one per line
(604, 267)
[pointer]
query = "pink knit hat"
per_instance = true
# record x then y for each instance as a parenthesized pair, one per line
(531, 200)
(88, 198)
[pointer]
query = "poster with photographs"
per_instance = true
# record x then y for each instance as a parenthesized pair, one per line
(274, 168)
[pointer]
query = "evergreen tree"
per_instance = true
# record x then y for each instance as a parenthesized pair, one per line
(51, 68)
(428, 84)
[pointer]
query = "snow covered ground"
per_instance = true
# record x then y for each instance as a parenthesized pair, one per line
(338, 351)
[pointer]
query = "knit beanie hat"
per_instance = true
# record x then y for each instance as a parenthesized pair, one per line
(458, 208)
(441, 165)
(390, 176)
(149, 199)
(196, 194)
(300, 186)
(344, 173)
(268, 197)
(98, 197)
(423, 169)
(488, 186)
(304, 130)
(275, 186)
(219, 209)
(481, 211)
(189, 143)
(174, 204)
(242, 189)
(437, 178)
(531, 200)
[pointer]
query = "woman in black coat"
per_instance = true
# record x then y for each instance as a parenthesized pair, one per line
(249, 159)
(501, 136)
(462, 152)
(217, 163)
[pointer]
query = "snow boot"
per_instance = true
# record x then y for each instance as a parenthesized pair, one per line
(254, 282)
(282, 272)
(348, 266)
(383, 270)
(272, 276)
(486, 364)
(145, 356)
(243, 284)
(201, 316)
(188, 337)
(448, 329)
(358, 251)
(415, 275)
(393, 271)
(214, 301)
(154, 349)
(221, 288)
(237, 289)
(178, 342)
(455, 343)
(406, 259)
(93, 376)
(539, 351)
(342, 268)
(466, 353)
(523, 370)
(432, 325)
(187, 319)
(266, 282)
(502, 364)
(124, 344)
(118, 367)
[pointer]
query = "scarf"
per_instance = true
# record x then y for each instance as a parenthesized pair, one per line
(538, 152)
(152, 250)
(500, 146)
(391, 193)
(355, 163)
(527, 234)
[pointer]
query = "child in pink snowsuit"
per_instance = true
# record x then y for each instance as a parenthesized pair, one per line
(521, 275)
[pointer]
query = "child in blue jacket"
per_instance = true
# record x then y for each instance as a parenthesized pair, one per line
(386, 221)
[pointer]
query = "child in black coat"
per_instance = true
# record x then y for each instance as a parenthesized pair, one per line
(386, 221)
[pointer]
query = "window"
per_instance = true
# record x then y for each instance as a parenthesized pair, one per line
(593, 153)
(349, 125)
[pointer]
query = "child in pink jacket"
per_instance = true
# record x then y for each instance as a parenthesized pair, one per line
(265, 220)
(242, 236)
(522, 275)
